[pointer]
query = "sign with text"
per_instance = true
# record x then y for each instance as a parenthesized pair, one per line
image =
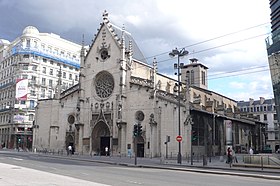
(21, 89)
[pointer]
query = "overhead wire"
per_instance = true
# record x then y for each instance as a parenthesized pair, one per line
(161, 61)
(207, 49)
(211, 39)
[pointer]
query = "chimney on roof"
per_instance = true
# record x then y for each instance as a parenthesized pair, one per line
(262, 100)
(251, 100)
(194, 60)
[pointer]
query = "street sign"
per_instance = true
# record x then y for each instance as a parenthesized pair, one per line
(179, 138)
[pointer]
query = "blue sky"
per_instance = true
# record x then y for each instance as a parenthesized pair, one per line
(226, 36)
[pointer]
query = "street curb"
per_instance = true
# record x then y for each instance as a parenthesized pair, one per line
(215, 172)
(197, 169)
(256, 166)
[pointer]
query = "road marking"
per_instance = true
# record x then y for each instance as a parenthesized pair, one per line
(134, 182)
(19, 159)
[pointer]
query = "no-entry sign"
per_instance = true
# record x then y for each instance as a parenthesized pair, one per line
(179, 138)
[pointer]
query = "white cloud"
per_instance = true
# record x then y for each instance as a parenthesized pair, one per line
(237, 85)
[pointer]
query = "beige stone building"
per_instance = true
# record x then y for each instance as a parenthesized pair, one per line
(117, 90)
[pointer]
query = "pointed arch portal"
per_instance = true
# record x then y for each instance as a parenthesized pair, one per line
(70, 140)
(140, 147)
(100, 138)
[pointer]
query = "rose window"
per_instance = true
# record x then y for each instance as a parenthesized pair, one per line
(71, 119)
(104, 84)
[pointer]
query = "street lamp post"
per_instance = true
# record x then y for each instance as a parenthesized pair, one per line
(178, 66)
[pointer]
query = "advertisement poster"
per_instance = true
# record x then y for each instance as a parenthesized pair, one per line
(228, 124)
(21, 89)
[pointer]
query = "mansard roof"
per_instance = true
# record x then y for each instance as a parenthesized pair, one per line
(255, 102)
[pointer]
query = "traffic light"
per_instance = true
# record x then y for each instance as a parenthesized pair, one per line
(194, 136)
(19, 140)
(139, 130)
(135, 130)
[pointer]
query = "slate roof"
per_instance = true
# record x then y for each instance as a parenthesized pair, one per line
(137, 54)
(255, 102)
(117, 35)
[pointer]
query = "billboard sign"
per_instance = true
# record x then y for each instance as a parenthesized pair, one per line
(19, 118)
(228, 124)
(21, 89)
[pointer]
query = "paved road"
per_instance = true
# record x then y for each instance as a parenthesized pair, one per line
(51, 170)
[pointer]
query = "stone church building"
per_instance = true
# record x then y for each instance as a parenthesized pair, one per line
(117, 89)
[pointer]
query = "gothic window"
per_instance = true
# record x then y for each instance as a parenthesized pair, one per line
(104, 54)
(139, 116)
(104, 84)
(71, 119)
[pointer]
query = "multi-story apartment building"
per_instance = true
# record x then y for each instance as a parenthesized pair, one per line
(265, 111)
(30, 67)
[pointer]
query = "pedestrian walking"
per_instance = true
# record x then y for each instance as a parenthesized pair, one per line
(106, 150)
(251, 151)
(234, 158)
(69, 150)
(229, 155)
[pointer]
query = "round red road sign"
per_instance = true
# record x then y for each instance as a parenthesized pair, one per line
(179, 138)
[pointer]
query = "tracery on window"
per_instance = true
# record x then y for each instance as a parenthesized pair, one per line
(104, 84)
(71, 119)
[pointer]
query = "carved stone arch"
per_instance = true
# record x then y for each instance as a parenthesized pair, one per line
(101, 118)
(70, 139)
(101, 138)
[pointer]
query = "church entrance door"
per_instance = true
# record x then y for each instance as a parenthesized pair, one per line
(69, 140)
(140, 147)
(104, 143)
(100, 139)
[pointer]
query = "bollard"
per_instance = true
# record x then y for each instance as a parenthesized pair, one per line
(262, 162)
(204, 160)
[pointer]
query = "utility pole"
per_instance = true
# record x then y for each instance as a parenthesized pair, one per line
(178, 66)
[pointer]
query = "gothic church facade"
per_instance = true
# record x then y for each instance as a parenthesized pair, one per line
(117, 89)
